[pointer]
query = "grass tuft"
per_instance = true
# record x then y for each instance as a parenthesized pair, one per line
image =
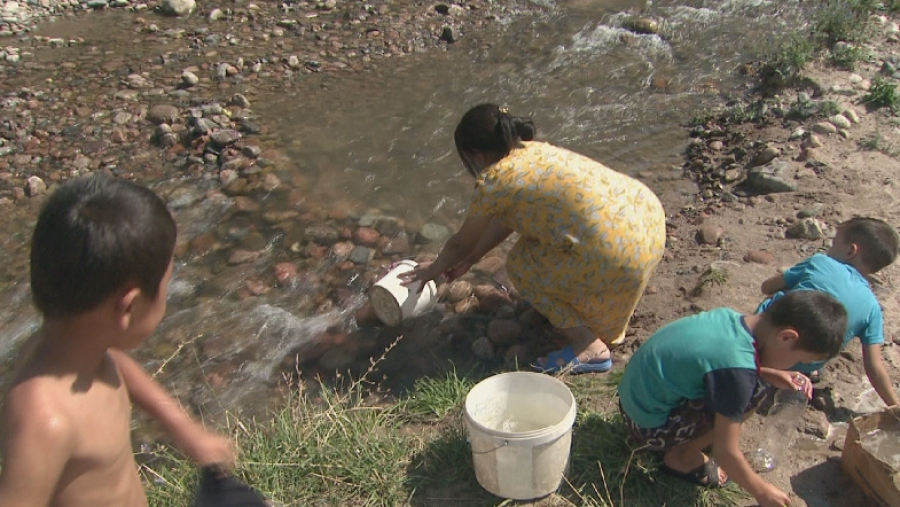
(882, 94)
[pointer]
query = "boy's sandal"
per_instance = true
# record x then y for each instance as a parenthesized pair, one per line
(705, 476)
(564, 359)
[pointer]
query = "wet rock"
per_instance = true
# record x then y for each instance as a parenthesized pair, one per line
(366, 236)
(341, 251)
(225, 137)
(337, 358)
(240, 100)
(642, 25)
(240, 256)
(448, 35)
(488, 265)
(468, 305)
(503, 331)
(807, 228)
(709, 234)
(458, 291)
(434, 232)
(216, 14)
(360, 255)
(483, 348)
(396, 245)
(776, 176)
(322, 234)
(254, 242)
(35, 186)
(162, 113)
(189, 79)
(271, 182)
(257, 287)
(760, 257)
(242, 204)
(177, 7)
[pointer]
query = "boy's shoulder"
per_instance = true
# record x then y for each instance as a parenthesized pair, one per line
(36, 407)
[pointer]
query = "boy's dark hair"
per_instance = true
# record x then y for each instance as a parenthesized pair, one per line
(819, 319)
(94, 235)
(489, 128)
(878, 242)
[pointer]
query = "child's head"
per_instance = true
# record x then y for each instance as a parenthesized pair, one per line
(95, 236)
(811, 323)
(873, 240)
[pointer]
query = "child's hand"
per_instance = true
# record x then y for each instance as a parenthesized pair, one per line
(773, 497)
(788, 380)
(457, 271)
(207, 448)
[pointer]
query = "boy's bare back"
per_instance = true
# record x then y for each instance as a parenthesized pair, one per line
(66, 439)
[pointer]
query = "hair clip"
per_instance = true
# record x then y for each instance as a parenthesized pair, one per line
(504, 110)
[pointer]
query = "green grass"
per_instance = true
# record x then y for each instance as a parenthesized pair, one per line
(340, 449)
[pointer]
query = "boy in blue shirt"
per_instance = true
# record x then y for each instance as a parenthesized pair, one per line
(862, 246)
(693, 382)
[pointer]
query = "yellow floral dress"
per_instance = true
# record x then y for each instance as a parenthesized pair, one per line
(590, 237)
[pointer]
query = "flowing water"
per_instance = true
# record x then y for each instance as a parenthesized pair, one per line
(380, 144)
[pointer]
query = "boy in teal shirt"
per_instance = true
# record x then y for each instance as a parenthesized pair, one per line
(693, 382)
(862, 246)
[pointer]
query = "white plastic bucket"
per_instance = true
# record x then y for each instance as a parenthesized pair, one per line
(520, 430)
(393, 303)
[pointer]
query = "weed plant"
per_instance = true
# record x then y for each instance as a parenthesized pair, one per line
(882, 94)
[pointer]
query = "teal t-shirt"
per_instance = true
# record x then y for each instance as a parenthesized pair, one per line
(847, 285)
(709, 356)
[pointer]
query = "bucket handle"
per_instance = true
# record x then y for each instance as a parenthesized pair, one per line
(504, 444)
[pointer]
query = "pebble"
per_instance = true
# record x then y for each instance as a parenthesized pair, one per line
(851, 115)
(34, 186)
(807, 228)
(709, 234)
(760, 257)
(813, 141)
(162, 113)
(824, 128)
(458, 291)
(840, 121)
(189, 78)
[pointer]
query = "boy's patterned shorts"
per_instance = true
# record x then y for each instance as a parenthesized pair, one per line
(688, 421)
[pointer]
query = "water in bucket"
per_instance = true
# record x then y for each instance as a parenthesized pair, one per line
(520, 430)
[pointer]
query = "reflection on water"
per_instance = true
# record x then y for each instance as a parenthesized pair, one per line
(379, 144)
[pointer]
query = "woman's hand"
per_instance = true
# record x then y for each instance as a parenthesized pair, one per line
(424, 273)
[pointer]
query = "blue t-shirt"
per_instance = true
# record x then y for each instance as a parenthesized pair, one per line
(847, 285)
(709, 356)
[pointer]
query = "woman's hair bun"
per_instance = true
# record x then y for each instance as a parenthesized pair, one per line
(524, 128)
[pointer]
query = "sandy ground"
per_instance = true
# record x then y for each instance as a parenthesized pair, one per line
(839, 180)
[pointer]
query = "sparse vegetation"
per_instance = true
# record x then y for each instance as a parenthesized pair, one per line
(341, 449)
(882, 94)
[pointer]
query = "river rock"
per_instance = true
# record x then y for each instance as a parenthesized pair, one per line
(35, 186)
(360, 255)
(813, 141)
(285, 273)
(503, 331)
(488, 265)
(224, 137)
(465, 306)
(177, 7)
(642, 25)
(366, 236)
(851, 115)
(241, 256)
(189, 78)
(760, 257)
(483, 348)
(807, 228)
(458, 290)
(162, 113)
(776, 176)
(434, 232)
(396, 245)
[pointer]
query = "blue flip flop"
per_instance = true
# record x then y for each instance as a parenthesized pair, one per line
(564, 359)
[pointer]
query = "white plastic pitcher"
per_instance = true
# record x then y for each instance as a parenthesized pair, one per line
(393, 303)
(520, 430)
